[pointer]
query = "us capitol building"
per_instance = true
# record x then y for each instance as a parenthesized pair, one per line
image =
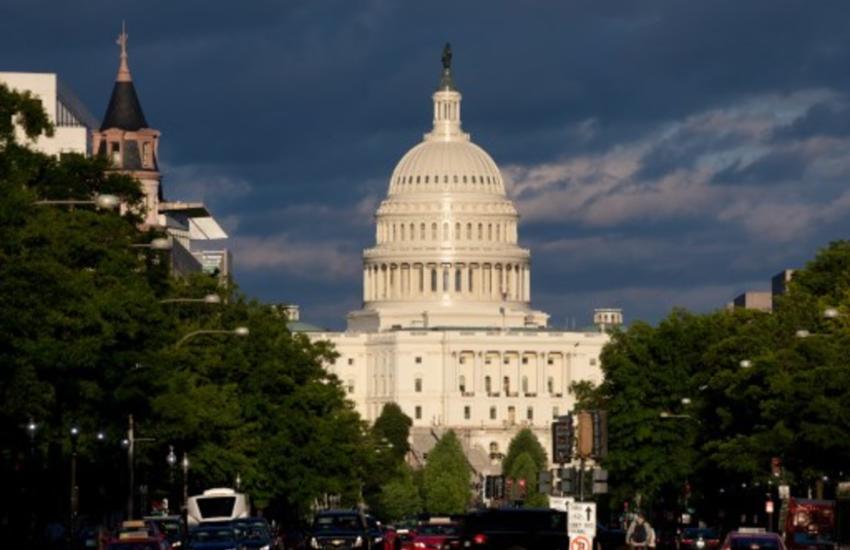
(447, 330)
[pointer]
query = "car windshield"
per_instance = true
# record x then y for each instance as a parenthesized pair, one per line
(694, 533)
(253, 531)
(333, 522)
(437, 529)
(754, 543)
(213, 535)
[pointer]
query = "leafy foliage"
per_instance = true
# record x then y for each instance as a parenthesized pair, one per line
(791, 400)
(400, 497)
(524, 442)
(86, 340)
(446, 477)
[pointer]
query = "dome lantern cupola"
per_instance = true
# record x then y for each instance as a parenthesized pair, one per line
(447, 106)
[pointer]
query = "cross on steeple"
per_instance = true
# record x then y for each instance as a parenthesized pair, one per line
(123, 68)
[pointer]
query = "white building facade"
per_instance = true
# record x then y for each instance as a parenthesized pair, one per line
(73, 123)
(447, 330)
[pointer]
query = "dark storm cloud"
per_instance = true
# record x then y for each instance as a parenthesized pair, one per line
(615, 121)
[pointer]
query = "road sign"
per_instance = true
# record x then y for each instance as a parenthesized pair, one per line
(561, 504)
(580, 542)
(582, 519)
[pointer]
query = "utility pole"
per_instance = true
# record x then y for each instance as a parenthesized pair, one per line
(131, 488)
(75, 494)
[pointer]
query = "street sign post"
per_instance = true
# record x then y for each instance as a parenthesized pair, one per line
(582, 519)
(562, 504)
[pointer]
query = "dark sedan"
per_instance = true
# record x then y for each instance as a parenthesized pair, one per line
(340, 530)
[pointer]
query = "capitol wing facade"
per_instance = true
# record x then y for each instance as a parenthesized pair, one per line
(447, 330)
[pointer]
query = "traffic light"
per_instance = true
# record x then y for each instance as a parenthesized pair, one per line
(584, 438)
(562, 439)
(600, 434)
(544, 482)
(568, 480)
(498, 487)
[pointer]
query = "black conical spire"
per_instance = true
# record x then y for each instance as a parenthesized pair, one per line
(124, 110)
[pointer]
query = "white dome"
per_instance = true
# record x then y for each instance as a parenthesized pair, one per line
(438, 166)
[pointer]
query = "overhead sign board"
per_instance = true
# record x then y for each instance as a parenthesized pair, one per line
(562, 504)
(582, 519)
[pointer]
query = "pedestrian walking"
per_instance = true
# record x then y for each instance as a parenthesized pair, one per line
(640, 534)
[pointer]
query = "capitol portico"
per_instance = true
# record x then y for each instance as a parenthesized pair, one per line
(447, 329)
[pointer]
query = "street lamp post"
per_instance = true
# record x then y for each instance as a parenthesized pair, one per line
(171, 459)
(107, 202)
(130, 444)
(208, 299)
(185, 465)
(238, 331)
(75, 494)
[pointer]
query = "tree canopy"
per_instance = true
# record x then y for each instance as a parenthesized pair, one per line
(447, 477)
(86, 340)
(709, 401)
(524, 442)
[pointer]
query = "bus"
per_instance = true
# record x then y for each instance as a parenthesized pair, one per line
(810, 524)
(220, 504)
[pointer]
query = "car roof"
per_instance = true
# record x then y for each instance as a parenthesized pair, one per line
(338, 513)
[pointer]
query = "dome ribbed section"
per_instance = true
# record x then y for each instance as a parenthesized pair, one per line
(441, 166)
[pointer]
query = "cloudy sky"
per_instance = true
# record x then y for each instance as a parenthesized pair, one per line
(661, 153)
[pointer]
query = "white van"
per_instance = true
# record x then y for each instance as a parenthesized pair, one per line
(221, 504)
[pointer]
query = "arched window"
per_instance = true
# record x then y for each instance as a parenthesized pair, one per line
(446, 279)
(426, 179)
(494, 447)
(434, 231)
(498, 232)
(473, 179)
(422, 231)
(469, 232)
(488, 384)
(480, 231)
(412, 232)
(506, 383)
(525, 384)
(458, 284)
(489, 231)
(550, 385)
(417, 179)
(402, 232)
(393, 234)
(445, 231)
(457, 231)
(464, 179)
(455, 178)
(433, 280)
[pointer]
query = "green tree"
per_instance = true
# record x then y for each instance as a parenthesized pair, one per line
(393, 426)
(400, 497)
(525, 470)
(524, 442)
(447, 477)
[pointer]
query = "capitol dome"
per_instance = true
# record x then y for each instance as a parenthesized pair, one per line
(447, 165)
(446, 250)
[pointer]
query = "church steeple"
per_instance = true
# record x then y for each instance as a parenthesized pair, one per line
(126, 139)
(124, 110)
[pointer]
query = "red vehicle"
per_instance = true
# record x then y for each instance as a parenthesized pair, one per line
(435, 536)
(698, 538)
(810, 524)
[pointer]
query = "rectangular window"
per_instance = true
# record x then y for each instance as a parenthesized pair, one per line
(529, 413)
(593, 362)
(492, 413)
(351, 386)
(417, 412)
(555, 412)
(350, 360)
(467, 412)
(525, 360)
(418, 385)
(418, 360)
(550, 361)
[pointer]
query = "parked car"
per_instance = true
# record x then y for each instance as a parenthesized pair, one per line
(214, 537)
(698, 538)
(256, 533)
(515, 529)
(739, 540)
(338, 529)
(436, 536)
